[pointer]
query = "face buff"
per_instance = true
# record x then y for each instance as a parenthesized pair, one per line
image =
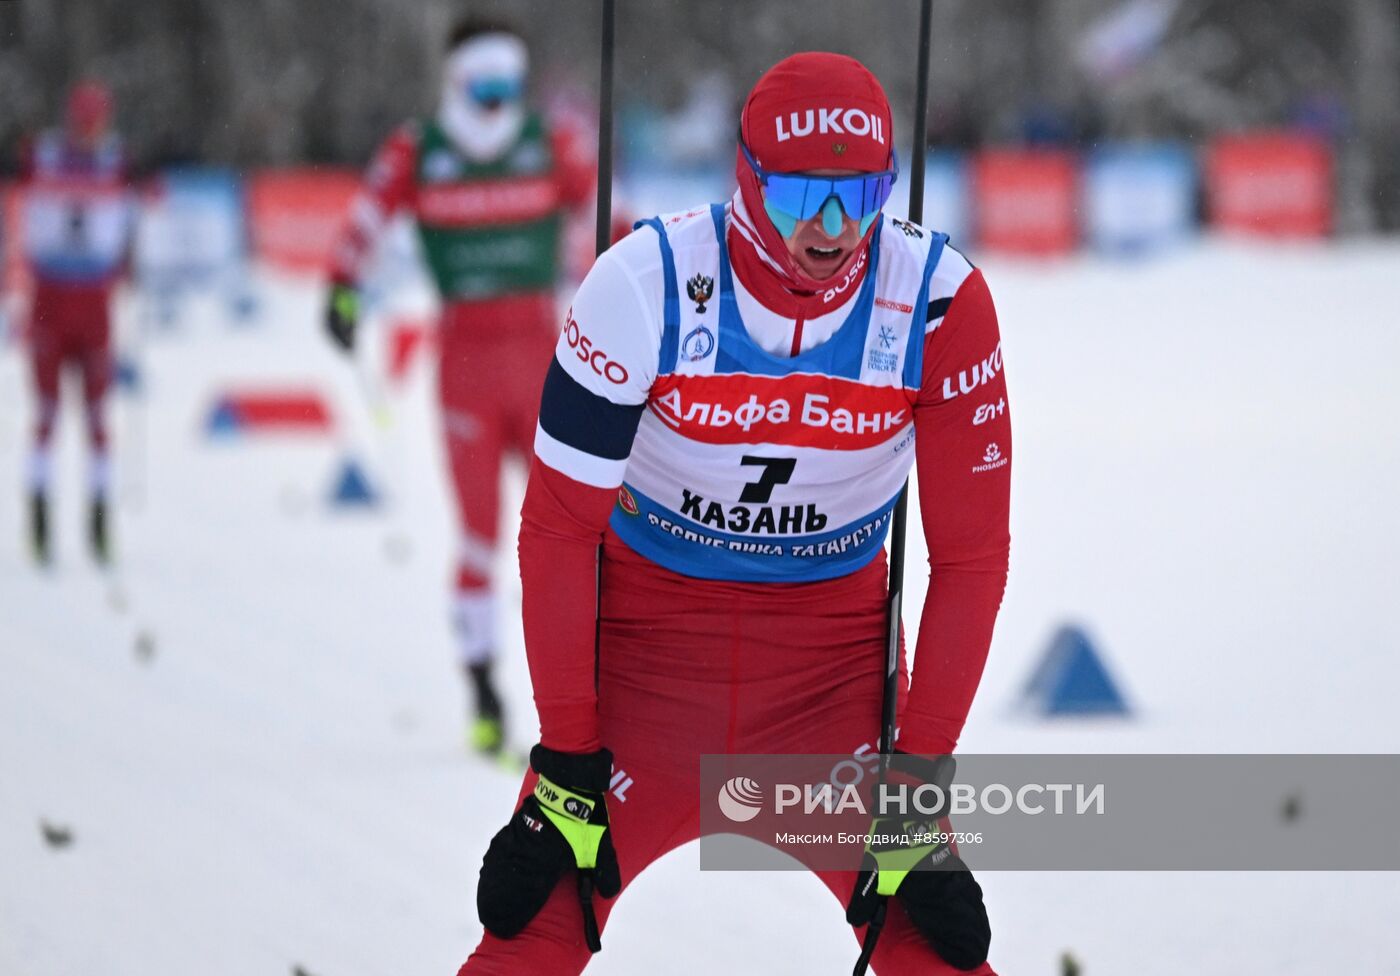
(814, 111)
(482, 108)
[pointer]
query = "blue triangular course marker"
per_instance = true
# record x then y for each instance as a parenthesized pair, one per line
(223, 420)
(126, 375)
(352, 487)
(1071, 679)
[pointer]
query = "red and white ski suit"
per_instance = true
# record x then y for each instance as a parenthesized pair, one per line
(493, 348)
(687, 665)
(78, 217)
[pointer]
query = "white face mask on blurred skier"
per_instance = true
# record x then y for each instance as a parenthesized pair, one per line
(482, 109)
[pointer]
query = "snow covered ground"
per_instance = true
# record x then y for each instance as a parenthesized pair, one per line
(253, 727)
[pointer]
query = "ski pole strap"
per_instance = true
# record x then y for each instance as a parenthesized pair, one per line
(872, 936)
(578, 817)
(590, 920)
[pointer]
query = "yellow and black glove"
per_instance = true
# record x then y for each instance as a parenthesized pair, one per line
(342, 315)
(562, 825)
(909, 856)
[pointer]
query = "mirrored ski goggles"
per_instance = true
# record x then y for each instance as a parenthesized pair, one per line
(495, 91)
(802, 196)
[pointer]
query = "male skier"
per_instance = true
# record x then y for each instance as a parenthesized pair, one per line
(77, 234)
(488, 184)
(737, 395)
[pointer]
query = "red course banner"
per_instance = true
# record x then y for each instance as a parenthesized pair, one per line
(1024, 201)
(1275, 184)
(292, 410)
(296, 214)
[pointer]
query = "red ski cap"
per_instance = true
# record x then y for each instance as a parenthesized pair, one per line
(89, 108)
(818, 110)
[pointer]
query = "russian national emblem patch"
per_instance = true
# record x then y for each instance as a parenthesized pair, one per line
(700, 288)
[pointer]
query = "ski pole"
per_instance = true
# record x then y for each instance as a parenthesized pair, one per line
(601, 241)
(895, 604)
(605, 130)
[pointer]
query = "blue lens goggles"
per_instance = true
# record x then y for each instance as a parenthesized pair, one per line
(803, 196)
(494, 91)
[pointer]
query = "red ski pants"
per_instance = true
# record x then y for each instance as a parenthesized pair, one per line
(493, 356)
(688, 667)
(70, 325)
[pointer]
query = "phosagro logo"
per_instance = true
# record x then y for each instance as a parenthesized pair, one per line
(992, 458)
(740, 799)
